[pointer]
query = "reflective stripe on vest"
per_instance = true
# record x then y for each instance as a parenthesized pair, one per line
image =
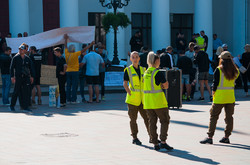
(152, 85)
(135, 86)
(222, 83)
(131, 79)
(154, 97)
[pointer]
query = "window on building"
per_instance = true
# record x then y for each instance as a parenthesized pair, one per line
(4, 18)
(95, 19)
(51, 14)
(181, 23)
(142, 22)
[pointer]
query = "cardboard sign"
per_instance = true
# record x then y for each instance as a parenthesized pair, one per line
(48, 75)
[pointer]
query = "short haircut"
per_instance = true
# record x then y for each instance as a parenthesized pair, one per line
(100, 47)
(152, 58)
(7, 48)
(191, 44)
(58, 49)
(169, 48)
(247, 48)
(84, 45)
(96, 47)
(196, 47)
(202, 31)
(26, 46)
(159, 51)
(19, 35)
(134, 52)
(33, 48)
(71, 48)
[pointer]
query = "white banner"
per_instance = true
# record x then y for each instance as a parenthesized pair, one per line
(80, 34)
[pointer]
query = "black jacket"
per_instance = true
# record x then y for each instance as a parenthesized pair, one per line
(21, 67)
(245, 60)
(143, 60)
(202, 60)
(134, 43)
(185, 64)
(37, 63)
(165, 61)
(5, 61)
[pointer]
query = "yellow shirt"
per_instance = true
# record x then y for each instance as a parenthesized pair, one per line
(72, 61)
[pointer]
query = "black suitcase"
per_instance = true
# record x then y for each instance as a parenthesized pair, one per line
(174, 96)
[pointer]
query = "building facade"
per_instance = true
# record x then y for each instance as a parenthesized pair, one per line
(158, 20)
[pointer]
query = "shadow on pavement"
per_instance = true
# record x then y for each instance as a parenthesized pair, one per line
(235, 145)
(69, 110)
(196, 102)
(202, 126)
(183, 154)
(186, 155)
(185, 110)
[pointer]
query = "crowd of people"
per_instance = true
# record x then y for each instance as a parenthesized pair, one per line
(24, 71)
(192, 58)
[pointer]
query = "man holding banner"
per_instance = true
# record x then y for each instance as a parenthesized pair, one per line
(72, 71)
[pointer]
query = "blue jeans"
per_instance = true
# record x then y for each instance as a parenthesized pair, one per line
(72, 82)
(6, 88)
(82, 83)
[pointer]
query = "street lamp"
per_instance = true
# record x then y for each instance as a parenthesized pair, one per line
(115, 4)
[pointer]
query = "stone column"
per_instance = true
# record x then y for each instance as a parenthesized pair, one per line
(160, 24)
(239, 26)
(19, 16)
(203, 20)
(69, 15)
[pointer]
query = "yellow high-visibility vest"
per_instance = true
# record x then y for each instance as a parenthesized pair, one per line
(135, 86)
(154, 97)
(200, 42)
(225, 90)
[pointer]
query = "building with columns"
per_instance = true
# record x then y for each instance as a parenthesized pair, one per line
(158, 20)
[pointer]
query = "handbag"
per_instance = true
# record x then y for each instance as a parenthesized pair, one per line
(242, 69)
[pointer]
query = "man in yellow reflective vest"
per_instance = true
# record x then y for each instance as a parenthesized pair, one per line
(223, 96)
(134, 75)
(200, 42)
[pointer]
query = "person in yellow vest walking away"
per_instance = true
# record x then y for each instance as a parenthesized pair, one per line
(200, 42)
(223, 96)
(155, 101)
(134, 75)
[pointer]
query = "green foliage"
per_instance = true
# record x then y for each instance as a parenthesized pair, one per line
(114, 21)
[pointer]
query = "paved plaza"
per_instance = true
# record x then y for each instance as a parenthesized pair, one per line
(94, 134)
